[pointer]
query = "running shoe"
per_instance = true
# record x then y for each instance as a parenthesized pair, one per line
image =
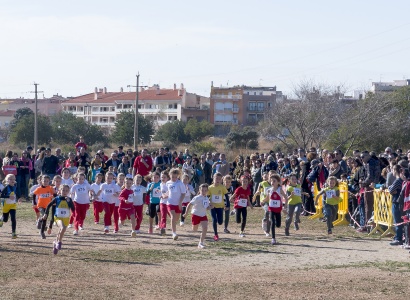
(273, 242)
(329, 231)
(70, 226)
(133, 233)
(13, 235)
(267, 234)
(181, 224)
(361, 229)
(75, 232)
(96, 223)
(201, 246)
(174, 236)
(242, 234)
(115, 231)
(39, 223)
(43, 235)
(216, 238)
(405, 246)
(81, 228)
(59, 245)
(162, 231)
(138, 231)
(233, 212)
(150, 231)
(157, 227)
(296, 226)
(396, 243)
(55, 249)
(226, 230)
(106, 230)
(287, 231)
(147, 211)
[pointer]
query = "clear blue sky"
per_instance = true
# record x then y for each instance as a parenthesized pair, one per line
(70, 47)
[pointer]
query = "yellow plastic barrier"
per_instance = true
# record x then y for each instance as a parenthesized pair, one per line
(343, 208)
(382, 213)
(319, 206)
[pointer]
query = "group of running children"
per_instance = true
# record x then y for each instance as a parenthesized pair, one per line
(168, 194)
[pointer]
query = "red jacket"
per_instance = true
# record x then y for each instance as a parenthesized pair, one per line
(140, 168)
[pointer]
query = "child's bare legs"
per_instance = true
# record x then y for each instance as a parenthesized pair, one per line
(174, 220)
(133, 221)
(195, 227)
(62, 230)
(204, 225)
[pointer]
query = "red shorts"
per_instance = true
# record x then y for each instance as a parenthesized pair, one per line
(185, 204)
(174, 207)
(36, 210)
(197, 219)
(126, 213)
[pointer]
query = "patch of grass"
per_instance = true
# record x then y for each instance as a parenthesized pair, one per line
(390, 266)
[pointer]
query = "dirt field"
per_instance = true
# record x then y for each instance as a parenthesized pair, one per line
(307, 265)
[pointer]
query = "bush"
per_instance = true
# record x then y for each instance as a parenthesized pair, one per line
(253, 144)
(202, 147)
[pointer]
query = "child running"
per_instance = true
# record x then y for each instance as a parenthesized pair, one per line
(274, 198)
(263, 188)
(294, 192)
(34, 201)
(44, 194)
(333, 198)
(200, 204)
(80, 192)
(9, 197)
(139, 192)
(66, 177)
(127, 204)
(61, 206)
(217, 192)
(242, 201)
(163, 205)
(109, 192)
(154, 192)
(227, 181)
(98, 206)
(177, 191)
(189, 191)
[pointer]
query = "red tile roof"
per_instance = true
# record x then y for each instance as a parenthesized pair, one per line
(111, 97)
(7, 113)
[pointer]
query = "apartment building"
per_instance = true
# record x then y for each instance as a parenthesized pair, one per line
(380, 87)
(160, 105)
(46, 106)
(241, 105)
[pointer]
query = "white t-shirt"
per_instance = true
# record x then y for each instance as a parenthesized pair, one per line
(68, 182)
(96, 187)
(33, 188)
(80, 193)
(108, 191)
(176, 190)
(139, 191)
(199, 205)
(189, 191)
(164, 193)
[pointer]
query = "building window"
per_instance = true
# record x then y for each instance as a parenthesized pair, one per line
(254, 93)
(169, 105)
(112, 119)
(175, 106)
(172, 118)
(104, 120)
(112, 108)
(119, 106)
(261, 106)
(261, 93)
(127, 106)
(252, 106)
(103, 108)
(72, 108)
(81, 108)
(140, 106)
(95, 108)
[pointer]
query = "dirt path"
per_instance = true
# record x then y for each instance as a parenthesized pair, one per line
(307, 265)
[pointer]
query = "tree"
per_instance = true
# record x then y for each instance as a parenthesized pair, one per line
(242, 138)
(20, 113)
(198, 130)
(23, 131)
(67, 128)
(306, 121)
(172, 132)
(123, 132)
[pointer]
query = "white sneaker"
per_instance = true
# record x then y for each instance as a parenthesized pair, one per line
(242, 234)
(267, 234)
(174, 236)
(181, 224)
(201, 246)
(75, 232)
(96, 223)
(233, 212)
(273, 242)
(106, 230)
(157, 227)
(137, 231)
(81, 228)
(70, 226)
(133, 233)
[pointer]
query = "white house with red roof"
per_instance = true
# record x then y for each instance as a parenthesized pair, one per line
(160, 105)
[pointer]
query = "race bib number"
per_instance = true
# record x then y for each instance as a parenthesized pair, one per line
(205, 203)
(137, 191)
(297, 192)
(242, 202)
(330, 194)
(47, 195)
(216, 198)
(109, 192)
(9, 201)
(156, 193)
(81, 190)
(62, 212)
(274, 203)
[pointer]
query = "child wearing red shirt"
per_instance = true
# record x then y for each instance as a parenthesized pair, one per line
(126, 208)
(242, 201)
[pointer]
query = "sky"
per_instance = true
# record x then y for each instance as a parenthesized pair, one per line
(70, 47)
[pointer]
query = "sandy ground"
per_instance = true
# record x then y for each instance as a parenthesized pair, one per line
(309, 264)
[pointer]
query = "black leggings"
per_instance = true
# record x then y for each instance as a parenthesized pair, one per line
(12, 213)
(241, 211)
(153, 211)
(183, 212)
(227, 212)
(275, 219)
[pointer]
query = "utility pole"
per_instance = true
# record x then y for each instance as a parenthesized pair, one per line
(136, 111)
(35, 117)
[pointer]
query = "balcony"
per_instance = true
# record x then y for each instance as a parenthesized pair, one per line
(256, 109)
(227, 123)
(227, 97)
